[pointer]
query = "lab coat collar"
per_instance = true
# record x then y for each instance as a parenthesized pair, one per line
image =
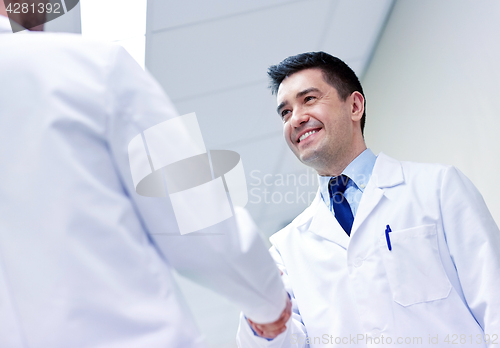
(387, 173)
(5, 25)
(318, 219)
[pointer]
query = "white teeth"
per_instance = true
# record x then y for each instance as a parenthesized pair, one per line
(305, 135)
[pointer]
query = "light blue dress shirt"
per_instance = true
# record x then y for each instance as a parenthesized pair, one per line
(359, 171)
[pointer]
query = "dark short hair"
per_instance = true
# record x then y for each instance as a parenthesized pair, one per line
(335, 72)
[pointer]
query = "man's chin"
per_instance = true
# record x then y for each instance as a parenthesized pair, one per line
(309, 155)
(309, 158)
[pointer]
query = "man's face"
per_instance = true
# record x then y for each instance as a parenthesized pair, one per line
(308, 104)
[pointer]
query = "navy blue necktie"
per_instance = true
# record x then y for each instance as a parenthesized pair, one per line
(341, 207)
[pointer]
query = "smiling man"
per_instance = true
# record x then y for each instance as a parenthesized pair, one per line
(389, 252)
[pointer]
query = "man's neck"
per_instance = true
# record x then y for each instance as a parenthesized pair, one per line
(336, 168)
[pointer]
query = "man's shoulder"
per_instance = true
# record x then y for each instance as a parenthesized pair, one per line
(411, 170)
(39, 46)
(48, 38)
(382, 157)
(424, 166)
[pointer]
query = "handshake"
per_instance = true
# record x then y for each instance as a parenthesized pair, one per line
(272, 330)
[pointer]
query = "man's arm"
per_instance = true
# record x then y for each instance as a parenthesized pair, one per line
(295, 333)
(473, 239)
(230, 257)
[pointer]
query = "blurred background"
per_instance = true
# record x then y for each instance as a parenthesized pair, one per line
(429, 69)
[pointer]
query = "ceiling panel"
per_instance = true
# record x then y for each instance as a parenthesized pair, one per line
(235, 51)
(168, 14)
(235, 116)
(355, 28)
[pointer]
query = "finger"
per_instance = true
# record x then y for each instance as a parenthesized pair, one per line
(274, 333)
(257, 330)
(264, 331)
(272, 328)
(278, 324)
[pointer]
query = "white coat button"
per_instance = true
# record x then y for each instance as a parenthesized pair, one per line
(358, 262)
(362, 186)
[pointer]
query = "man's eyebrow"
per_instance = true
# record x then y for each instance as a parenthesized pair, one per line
(281, 106)
(300, 94)
(305, 91)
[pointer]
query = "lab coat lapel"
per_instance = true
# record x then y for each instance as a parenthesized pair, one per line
(387, 173)
(6, 26)
(324, 224)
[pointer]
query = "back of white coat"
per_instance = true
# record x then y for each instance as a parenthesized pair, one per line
(84, 260)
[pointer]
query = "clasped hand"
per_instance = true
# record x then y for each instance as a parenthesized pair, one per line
(272, 330)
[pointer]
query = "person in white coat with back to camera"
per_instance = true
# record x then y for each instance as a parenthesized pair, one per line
(84, 260)
(389, 252)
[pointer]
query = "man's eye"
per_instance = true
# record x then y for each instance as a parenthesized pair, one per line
(308, 98)
(284, 113)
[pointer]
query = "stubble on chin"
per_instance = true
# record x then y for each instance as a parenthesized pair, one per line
(313, 158)
(324, 159)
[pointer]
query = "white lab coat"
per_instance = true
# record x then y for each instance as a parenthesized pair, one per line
(84, 260)
(442, 276)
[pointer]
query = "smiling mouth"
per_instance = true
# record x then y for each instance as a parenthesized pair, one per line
(307, 135)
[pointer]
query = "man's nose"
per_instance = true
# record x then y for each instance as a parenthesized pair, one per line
(298, 118)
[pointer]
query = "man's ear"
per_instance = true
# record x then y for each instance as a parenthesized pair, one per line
(357, 102)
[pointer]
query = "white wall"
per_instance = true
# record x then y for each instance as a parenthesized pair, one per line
(433, 89)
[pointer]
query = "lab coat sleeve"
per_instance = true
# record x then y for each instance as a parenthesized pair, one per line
(295, 334)
(473, 240)
(230, 257)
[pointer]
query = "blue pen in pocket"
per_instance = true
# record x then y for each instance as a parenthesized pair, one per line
(387, 230)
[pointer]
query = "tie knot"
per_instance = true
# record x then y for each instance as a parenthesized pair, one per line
(338, 184)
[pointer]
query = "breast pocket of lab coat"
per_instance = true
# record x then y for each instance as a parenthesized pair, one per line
(414, 268)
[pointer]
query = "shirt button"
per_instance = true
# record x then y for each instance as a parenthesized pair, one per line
(375, 333)
(358, 262)
(362, 186)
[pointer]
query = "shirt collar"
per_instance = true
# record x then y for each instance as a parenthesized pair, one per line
(359, 171)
